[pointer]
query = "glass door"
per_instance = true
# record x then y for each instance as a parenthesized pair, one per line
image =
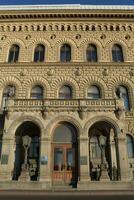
(64, 167)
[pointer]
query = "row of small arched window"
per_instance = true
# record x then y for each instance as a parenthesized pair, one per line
(65, 53)
(66, 92)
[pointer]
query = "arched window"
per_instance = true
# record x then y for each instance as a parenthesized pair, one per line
(123, 93)
(37, 92)
(65, 53)
(64, 133)
(95, 151)
(93, 92)
(91, 53)
(39, 53)
(117, 54)
(65, 92)
(130, 146)
(9, 92)
(13, 53)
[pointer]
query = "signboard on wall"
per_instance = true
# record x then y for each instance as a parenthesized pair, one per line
(44, 160)
(4, 159)
(83, 160)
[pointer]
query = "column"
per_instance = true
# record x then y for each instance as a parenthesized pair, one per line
(123, 159)
(7, 159)
(45, 160)
(84, 159)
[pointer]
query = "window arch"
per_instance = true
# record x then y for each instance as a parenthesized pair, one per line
(130, 146)
(117, 53)
(39, 53)
(65, 53)
(36, 92)
(122, 92)
(93, 92)
(65, 92)
(13, 53)
(91, 53)
(64, 133)
(9, 92)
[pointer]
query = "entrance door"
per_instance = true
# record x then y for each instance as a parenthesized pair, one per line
(64, 164)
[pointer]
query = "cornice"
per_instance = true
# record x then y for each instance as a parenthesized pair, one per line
(65, 12)
(69, 64)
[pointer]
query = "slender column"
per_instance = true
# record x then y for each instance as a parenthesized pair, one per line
(7, 161)
(45, 160)
(123, 159)
(84, 159)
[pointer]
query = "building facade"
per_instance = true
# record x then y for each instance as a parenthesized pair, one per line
(67, 97)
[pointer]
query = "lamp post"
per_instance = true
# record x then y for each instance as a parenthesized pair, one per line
(26, 141)
(104, 169)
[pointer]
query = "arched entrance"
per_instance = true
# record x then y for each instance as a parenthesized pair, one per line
(65, 155)
(103, 148)
(33, 156)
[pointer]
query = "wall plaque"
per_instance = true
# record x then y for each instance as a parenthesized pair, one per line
(4, 159)
(44, 160)
(83, 160)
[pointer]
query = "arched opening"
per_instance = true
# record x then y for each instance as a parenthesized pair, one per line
(13, 53)
(91, 53)
(65, 155)
(93, 92)
(65, 92)
(65, 53)
(36, 92)
(39, 53)
(130, 146)
(30, 129)
(103, 152)
(117, 53)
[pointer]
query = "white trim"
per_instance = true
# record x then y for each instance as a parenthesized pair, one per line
(67, 7)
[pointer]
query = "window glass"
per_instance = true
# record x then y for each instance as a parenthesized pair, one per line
(64, 133)
(65, 92)
(39, 53)
(93, 92)
(37, 92)
(65, 53)
(13, 53)
(130, 147)
(91, 53)
(117, 54)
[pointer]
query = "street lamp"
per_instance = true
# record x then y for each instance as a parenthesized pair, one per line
(104, 170)
(26, 141)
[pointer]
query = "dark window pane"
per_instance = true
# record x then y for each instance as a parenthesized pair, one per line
(117, 54)
(91, 53)
(93, 92)
(39, 53)
(130, 147)
(37, 92)
(64, 133)
(65, 92)
(13, 53)
(65, 53)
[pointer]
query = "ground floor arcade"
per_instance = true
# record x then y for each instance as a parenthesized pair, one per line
(65, 153)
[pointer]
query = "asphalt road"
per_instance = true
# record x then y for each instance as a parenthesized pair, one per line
(64, 196)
